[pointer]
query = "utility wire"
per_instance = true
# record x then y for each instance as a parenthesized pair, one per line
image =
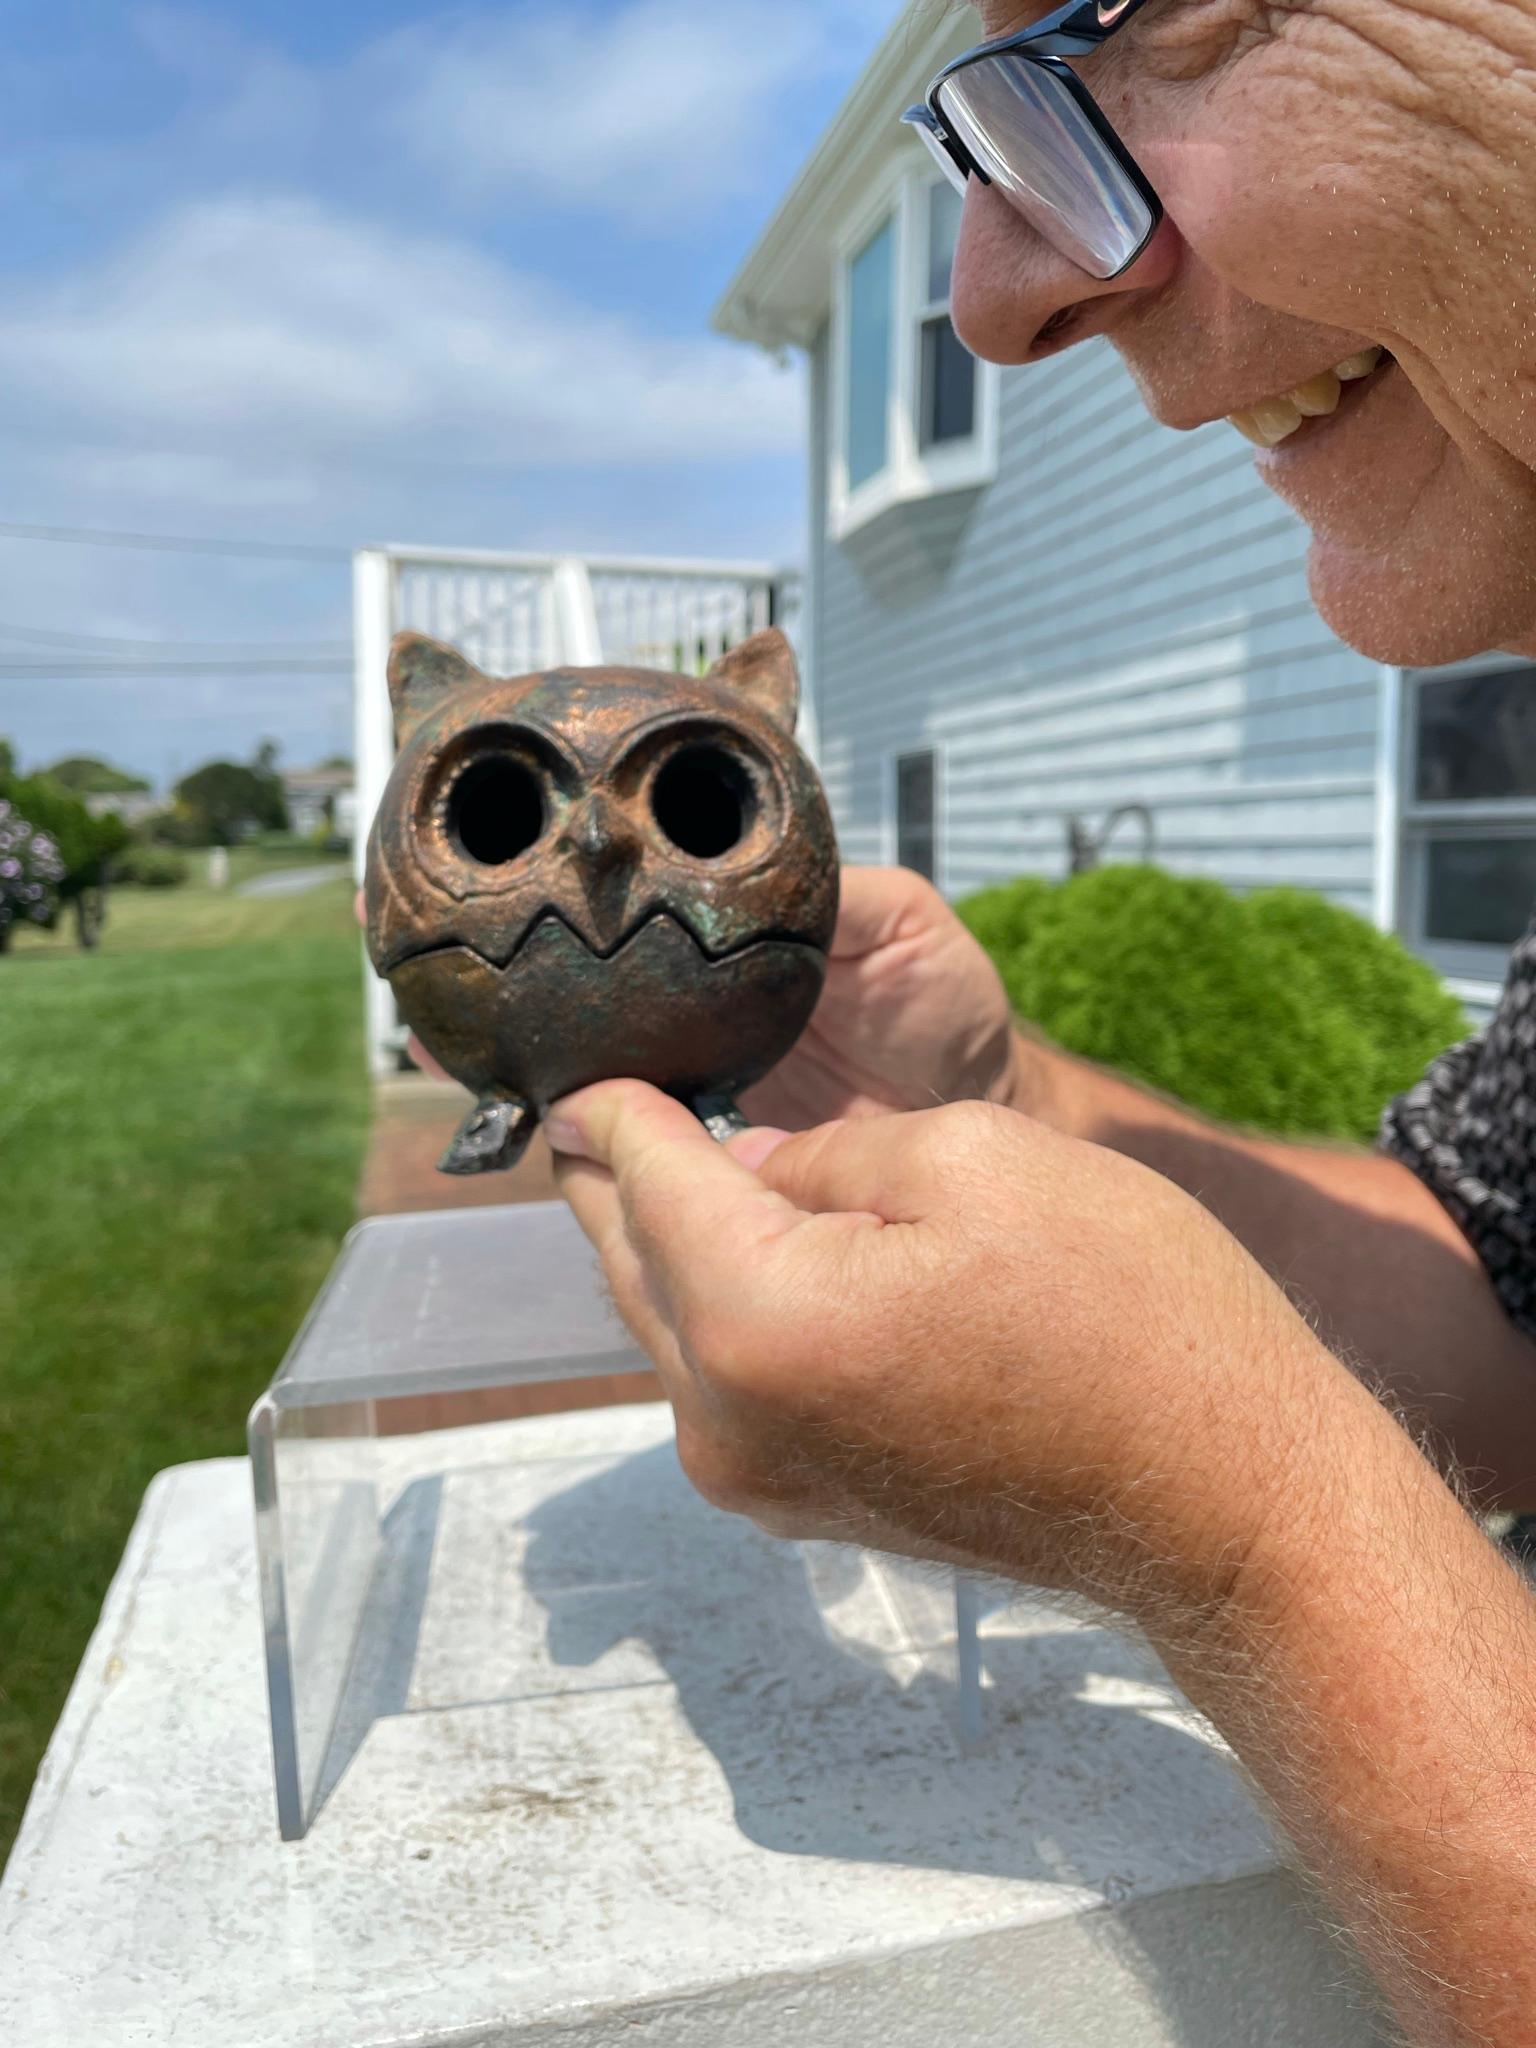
(48, 672)
(58, 641)
(173, 543)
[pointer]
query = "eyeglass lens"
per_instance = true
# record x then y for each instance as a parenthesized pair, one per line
(1025, 127)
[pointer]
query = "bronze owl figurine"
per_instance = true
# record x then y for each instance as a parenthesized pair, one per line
(597, 873)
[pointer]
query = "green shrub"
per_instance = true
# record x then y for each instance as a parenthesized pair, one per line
(145, 866)
(1277, 1010)
(177, 828)
(1001, 916)
(86, 845)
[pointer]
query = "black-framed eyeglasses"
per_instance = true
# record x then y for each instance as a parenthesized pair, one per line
(1015, 115)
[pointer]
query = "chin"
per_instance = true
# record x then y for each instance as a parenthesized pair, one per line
(1413, 615)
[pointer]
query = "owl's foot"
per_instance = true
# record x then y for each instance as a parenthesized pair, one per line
(491, 1139)
(719, 1116)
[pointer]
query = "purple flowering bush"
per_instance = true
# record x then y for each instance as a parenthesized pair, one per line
(31, 870)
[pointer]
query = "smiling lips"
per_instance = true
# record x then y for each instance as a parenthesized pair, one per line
(1273, 420)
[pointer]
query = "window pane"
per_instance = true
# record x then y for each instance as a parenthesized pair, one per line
(1477, 737)
(914, 813)
(949, 386)
(871, 282)
(1480, 892)
(945, 206)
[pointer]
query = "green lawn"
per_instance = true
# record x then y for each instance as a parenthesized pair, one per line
(182, 1116)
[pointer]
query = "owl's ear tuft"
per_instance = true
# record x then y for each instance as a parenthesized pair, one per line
(422, 674)
(765, 672)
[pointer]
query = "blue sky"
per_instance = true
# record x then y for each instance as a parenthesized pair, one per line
(386, 272)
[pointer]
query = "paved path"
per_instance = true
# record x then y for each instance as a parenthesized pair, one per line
(291, 881)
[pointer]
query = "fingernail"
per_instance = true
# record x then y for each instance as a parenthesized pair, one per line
(752, 1147)
(564, 1136)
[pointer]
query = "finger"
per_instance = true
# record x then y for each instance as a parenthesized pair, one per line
(879, 906)
(694, 1212)
(871, 905)
(754, 1146)
(593, 1196)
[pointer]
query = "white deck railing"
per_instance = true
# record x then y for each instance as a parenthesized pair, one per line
(513, 614)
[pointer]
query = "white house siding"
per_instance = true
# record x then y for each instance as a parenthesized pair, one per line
(1121, 618)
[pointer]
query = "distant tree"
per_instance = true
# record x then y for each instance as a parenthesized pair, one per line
(227, 801)
(265, 759)
(176, 827)
(337, 764)
(7, 760)
(31, 870)
(88, 776)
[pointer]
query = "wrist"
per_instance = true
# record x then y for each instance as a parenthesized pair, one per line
(1234, 1488)
(1280, 1509)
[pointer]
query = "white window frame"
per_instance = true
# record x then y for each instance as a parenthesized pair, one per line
(910, 473)
(891, 823)
(1475, 973)
(925, 312)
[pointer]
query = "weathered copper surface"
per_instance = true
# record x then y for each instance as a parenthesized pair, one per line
(595, 873)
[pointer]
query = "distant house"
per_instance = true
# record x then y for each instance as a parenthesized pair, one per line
(133, 806)
(1028, 605)
(321, 801)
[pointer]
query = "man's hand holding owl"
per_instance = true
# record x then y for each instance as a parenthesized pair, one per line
(954, 1334)
(960, 1335)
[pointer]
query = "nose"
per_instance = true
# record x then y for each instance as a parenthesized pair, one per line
(1015, 299)
(603, 848)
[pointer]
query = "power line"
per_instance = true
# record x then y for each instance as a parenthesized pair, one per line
(58, 640)
(173, 543)
(48, 672)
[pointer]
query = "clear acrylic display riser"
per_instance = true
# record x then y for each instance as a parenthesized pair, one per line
(349, 1487)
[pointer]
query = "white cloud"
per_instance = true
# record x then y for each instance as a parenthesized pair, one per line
(250, 336)
(327, 363)
(642, 110)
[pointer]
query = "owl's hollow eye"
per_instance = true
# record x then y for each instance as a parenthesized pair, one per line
(496, 810)
(704, 802)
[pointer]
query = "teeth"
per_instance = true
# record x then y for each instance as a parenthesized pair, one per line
(1355, 367)
(1248, 428)
(1319, 396)
(1267, 423)
(1274, 420)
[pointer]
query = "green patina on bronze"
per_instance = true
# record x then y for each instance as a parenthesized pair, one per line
(595, 873)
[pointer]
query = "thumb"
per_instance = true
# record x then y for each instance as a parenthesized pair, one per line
(876, 907)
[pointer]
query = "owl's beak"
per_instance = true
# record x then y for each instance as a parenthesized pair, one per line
(604, 849)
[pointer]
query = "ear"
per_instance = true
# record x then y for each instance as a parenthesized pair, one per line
(765, 672)
(422, 673)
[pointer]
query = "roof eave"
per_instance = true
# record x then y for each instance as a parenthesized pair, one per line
(780, 296)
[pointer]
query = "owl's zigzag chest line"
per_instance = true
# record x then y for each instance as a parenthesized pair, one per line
(548, 914)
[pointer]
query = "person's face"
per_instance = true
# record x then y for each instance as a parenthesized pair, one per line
(1336, 174)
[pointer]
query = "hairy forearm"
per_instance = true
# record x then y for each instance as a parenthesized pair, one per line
(1373, 1664)
(1358, 1243)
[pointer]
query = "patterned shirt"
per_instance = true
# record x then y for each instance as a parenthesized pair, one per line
(1468, 1130)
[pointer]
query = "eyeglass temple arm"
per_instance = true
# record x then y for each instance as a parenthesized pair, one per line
(1072, 31)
